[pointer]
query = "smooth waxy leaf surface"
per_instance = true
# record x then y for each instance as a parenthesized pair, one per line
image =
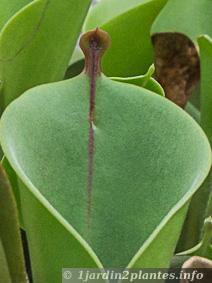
(193, 111)
(106, 10)
(205, 43)
(204, 248)
(9, 8)
(11, 254)
(128, 24)
(178, 15)
(4, 272)
(145, 81)
(37, 43)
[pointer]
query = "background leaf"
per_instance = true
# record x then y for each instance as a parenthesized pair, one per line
(178, 25)
(106, 10)
(204, 248)
(10, 239)
(145, 81)
(191, 17)
(36, 44)
(4, 272)
(9, 8)
(205, 44)
(133, 27)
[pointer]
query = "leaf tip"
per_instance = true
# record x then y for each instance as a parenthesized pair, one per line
(94, 43)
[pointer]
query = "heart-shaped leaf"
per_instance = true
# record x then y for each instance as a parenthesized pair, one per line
(104, 164)
(36, 44)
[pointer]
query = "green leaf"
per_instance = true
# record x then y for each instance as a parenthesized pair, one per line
(190, 17)
(149, 158)
(74, 69)
(37, 43)
(77, 55)
(193, 111)
(205, 44)
(204, 248)
(107, 10)
(54, 244)
(76, 64)
(195, 97)
(4, 272)
(145, 81)
(130, 23)
(148, 256)
(200, 208)
(9, 8)
(10, 240)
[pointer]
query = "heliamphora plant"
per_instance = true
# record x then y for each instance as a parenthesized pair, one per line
(103, 166)
(92, 166)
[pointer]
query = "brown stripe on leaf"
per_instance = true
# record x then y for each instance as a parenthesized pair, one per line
(93, 44)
